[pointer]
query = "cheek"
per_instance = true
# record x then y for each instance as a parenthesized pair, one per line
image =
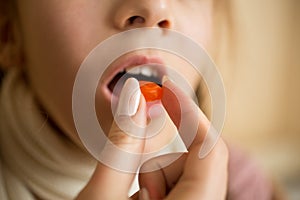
(201, 32)
(197, 23)
(55, 45)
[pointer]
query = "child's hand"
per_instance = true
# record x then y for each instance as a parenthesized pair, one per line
(106, 182)
(188, 178)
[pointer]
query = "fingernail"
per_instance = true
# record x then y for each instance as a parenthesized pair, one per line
(144, 194)
(165, 78)
(129, 98)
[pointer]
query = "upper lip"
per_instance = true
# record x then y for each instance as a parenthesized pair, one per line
(132, 61)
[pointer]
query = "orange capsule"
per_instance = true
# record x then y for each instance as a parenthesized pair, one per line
(151, 91)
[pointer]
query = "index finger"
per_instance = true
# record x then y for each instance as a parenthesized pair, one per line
(191, 122)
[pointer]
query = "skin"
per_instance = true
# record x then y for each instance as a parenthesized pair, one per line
(58, 35)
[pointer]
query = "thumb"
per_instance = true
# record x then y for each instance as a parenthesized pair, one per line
(126, 136)
(123, 150)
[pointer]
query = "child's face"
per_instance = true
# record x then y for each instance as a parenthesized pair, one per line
(58, 35)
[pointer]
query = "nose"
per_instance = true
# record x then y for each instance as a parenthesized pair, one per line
(143, 13)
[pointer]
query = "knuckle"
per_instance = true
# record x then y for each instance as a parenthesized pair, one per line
(125, 142)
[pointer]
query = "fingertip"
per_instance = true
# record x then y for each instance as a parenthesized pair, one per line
(165, 79)
(209, 141)
(129, 98)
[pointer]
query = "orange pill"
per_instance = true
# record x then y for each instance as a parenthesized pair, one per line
(151, 91)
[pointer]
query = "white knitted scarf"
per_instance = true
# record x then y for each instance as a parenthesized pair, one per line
(36, 161)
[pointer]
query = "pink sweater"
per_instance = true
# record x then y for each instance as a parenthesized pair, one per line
(246, 180)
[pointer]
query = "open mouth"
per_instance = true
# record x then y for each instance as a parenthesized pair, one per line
(143, 73)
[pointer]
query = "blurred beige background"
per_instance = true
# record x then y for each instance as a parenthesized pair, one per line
(263, 87)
